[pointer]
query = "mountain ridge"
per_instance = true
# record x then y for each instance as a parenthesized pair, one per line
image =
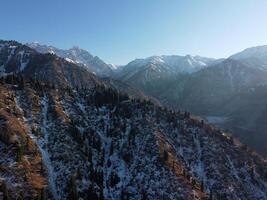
(108, 146)
(78, 56)
(68, 134)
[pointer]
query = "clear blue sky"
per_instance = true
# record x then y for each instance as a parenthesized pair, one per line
(121, 30)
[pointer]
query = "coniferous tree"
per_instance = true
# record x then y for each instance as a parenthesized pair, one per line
(72, 188)
(92, 193)
(210, 195)
(74, 131)
(43, 194)
(27, 143)
(89, 155)
(202, 186)
(144, 195)
(19, 153)
(165, 156)
(5, 191)
(114, 179)
(19, 195)
(42, 165)
(21, 83)
(252, 172)
(2, 80)
(202, 123)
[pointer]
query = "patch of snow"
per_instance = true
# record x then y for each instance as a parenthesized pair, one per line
(51, 51)
(189, 61)
(42, 148)
(23, 64)
(202, 63)
(70, 60)
(113, 66)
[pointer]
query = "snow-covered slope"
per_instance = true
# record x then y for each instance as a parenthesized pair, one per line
(78, 56)
(14, 57)
(167, 64)
(155, 72)
(258, 53)
(98, 144)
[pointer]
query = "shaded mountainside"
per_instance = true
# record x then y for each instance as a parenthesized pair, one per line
(125, 88)
(16, 58)
(98, 144)
(233, 91)
(206, 91)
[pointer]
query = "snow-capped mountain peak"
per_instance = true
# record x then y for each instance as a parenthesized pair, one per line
(78, 56)
(165, 66)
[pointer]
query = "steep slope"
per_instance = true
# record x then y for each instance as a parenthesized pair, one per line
(125, 88)
(255, 53)
(154, 74)
(230, 94)
(245, 115)
(98, 144)
(16, 58)
(78, 56)
(22, 174)
(207, 90)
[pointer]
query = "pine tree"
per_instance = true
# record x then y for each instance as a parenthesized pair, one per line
(89, 155)
(92, 193)
(78, 173)
(144, 195)
(202, 123)
(19, 195)
(74, 131)
(210, 195)
(252, 172)
(73, 195)
(27, 143)
(21, 83)
(165, 156)
(5, 192)
(202, 186)
(42, 165)
(2, 80)
(19, 153)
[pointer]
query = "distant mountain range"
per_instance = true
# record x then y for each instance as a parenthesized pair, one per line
(48, 67)
(168, 64)
(67, 133)
(231, 89)
(219, 89)
(211, 88)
